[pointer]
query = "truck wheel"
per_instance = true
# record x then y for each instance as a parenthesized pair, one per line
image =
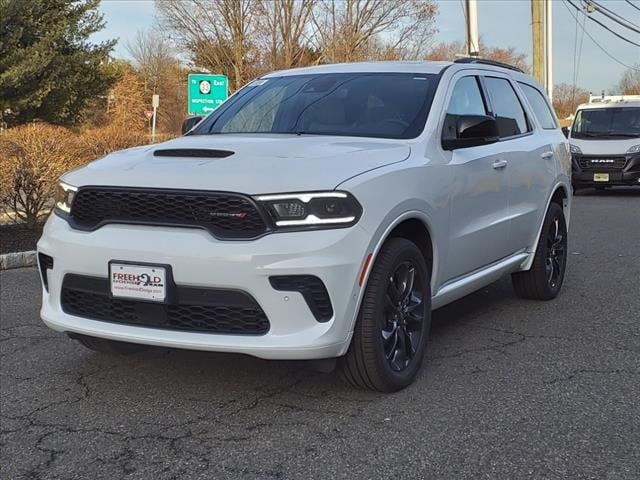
(392, 327)
(544, 280)
(111, 347)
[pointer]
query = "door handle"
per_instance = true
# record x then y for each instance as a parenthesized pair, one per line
(547, 155)
(499, 164)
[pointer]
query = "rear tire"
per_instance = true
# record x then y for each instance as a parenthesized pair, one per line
(392, 327)
(111, 347)
(544, 280)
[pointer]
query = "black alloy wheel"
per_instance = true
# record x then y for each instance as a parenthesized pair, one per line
(556, 253)
(392, 328)
(404, 317)
(544, 279)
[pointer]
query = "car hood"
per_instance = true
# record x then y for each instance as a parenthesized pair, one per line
(260, 163)
(618, 146)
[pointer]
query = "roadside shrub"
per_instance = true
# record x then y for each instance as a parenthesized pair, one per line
(98, 142)
(126, 124)
(32, 158)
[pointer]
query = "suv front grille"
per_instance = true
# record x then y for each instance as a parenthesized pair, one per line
(602, 163)
(224, 215)
(195, 309)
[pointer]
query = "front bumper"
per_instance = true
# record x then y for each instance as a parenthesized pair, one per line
(583, 175)
(197, 259)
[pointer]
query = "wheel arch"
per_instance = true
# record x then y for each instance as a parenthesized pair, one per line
(560, 195)
(410, 225)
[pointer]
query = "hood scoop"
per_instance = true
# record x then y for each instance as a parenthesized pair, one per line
(192, 153)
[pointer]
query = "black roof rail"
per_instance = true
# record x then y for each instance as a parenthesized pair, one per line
(486, 61)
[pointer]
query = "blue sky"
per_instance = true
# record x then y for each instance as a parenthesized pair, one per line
(501, 23)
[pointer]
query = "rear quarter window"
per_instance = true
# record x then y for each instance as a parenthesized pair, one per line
(541, 108)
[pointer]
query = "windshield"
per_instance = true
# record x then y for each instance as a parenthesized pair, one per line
(384, 105)
(607, 123)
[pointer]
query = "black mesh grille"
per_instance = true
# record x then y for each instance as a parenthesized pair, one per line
(219, 319)
(99, 307)
(245, 318)
(311, 288)
(225, 215)
(602, 163)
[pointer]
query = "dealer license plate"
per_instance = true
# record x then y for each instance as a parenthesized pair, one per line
(600, 177)
(138, 281)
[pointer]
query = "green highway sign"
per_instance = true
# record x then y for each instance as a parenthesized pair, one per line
(206, 93)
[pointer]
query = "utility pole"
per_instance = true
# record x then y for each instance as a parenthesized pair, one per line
(473, 47)
(548, 42)
(537, 30)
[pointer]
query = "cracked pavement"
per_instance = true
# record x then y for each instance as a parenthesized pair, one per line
(509, 389)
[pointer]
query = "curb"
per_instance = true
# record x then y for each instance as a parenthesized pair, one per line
(9, 261)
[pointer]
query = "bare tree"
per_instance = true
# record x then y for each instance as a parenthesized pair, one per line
(452, 50)
(446, 51)
(151, 52)
(630, 81)
(286, 27)
(244, 38)
(217, 33)
(567, 97)
(350, 30)
(507, 55)
(161, 73)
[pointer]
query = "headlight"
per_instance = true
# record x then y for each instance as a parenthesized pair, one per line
(575, 149)
(64, 197)
(634, 149)
(313, 210)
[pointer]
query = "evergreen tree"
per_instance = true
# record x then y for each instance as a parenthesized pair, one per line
(48, 67)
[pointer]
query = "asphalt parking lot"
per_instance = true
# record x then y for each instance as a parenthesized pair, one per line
(511, 389)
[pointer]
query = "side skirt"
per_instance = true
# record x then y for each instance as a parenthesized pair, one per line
(458, 288)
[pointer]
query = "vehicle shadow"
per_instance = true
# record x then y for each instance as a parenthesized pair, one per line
(610, 192)
(246, 372)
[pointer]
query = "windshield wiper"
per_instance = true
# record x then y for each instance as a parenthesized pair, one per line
(585, 134)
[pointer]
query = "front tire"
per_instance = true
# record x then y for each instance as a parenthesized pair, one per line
(392, 327)
(544, 280)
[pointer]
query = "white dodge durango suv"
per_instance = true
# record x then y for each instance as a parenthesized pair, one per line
(319, 213)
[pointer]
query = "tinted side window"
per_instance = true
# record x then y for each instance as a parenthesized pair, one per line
(507, 108)
(540, 107)
(466, 99)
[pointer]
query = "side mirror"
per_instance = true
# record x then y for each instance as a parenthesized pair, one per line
(565, 130)
(472, 131)
(190, 122)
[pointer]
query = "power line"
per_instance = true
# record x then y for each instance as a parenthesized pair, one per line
(575, 51)
(603, 25)
(576, 61)
(584, 30)
(632, 4)
(611, 15)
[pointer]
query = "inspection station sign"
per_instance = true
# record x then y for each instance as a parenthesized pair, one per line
(206, 92)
